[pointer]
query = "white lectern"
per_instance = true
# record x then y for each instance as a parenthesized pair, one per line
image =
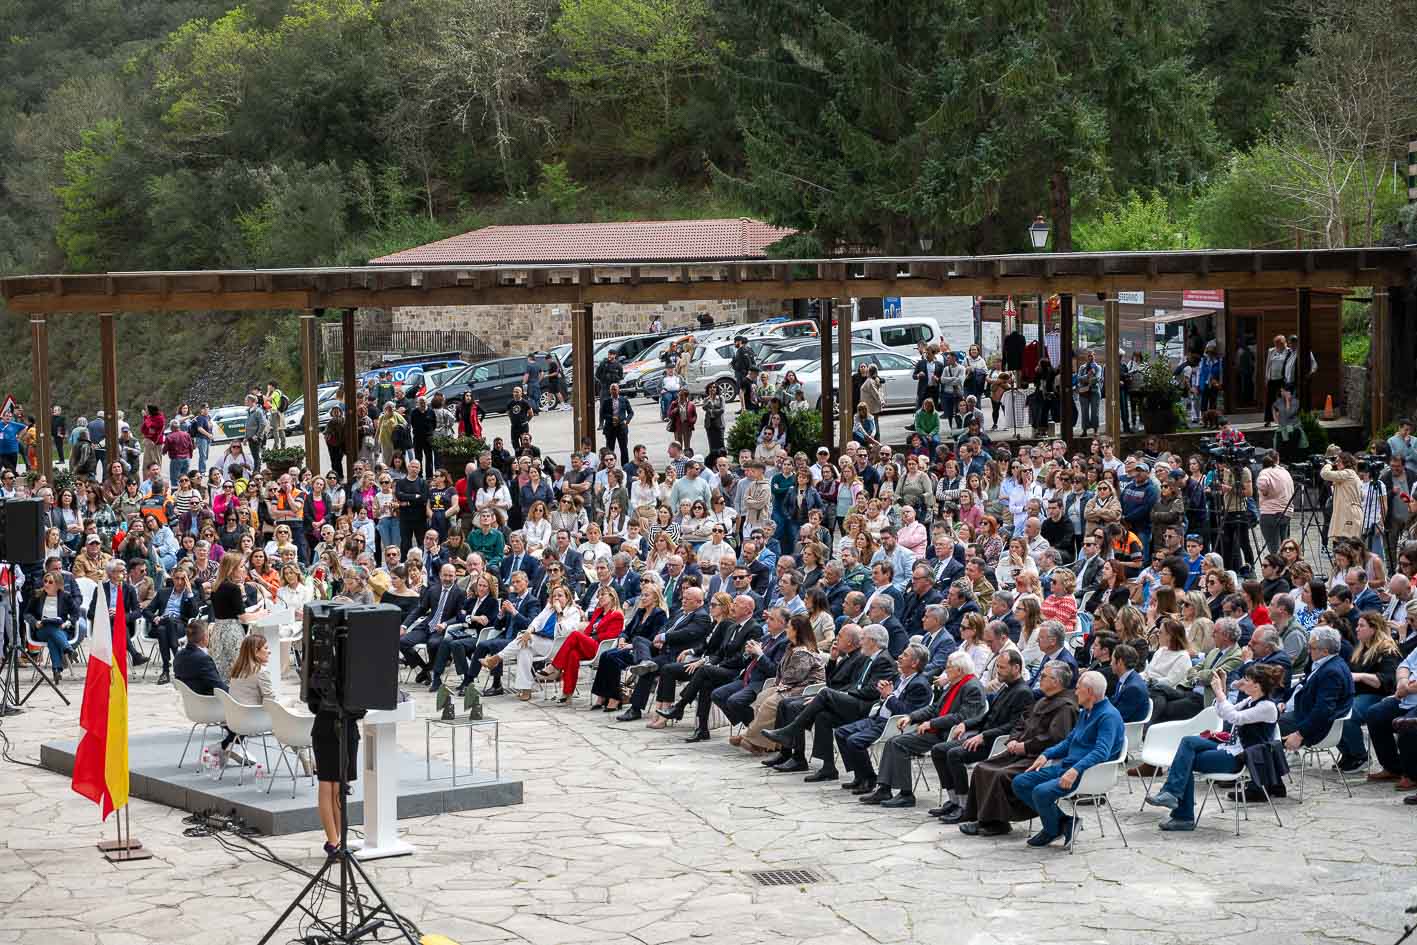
(380, 748)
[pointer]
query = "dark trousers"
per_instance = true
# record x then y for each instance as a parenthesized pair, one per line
(456, 650)
(671, 674)
(715, 438)
(788, 710)
(700, 691)
(1396, 753)
(854, 741)
(253, 446)
(423, 452)
(612, 666)
(1271, 394)
(951, 760)
(480, 651)
(170, 633)
(1167, 708)
(736, 701)
(826, 710)
(412, 638)
(336, 460)
(618, 434)
(639, 697)
(411, 529)
(897, 755)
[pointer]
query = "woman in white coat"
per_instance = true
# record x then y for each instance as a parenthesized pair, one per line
(557, 619)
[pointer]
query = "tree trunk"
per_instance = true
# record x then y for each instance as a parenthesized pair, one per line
(1061, 206)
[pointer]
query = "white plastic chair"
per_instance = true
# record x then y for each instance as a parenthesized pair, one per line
(88, 587)
(588, 667)
(548, 688)
(294, 735)
(247, 721)
(1239, 779)
(1328, 745)
(813, 689)
(1162, 740)
(891, 730)
(1094, 785)
(146, 636)
(1135, 731)
(202, 711)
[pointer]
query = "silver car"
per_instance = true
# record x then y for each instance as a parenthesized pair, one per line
(896, 372)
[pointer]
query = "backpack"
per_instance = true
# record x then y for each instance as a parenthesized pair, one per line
(402, 438)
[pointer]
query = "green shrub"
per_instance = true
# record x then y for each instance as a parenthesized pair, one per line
(1316, 434)
(284, 458)
(455, 452)
(804, 431)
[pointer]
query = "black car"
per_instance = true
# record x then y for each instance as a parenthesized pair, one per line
(491, 382)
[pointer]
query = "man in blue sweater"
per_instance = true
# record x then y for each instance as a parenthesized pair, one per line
(1097, 737)
(1139, 494)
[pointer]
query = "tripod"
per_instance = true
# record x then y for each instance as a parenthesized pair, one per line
(1308, 506)
(14, 647)
(366, 922)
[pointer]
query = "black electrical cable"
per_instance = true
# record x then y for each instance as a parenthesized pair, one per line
(5, 753)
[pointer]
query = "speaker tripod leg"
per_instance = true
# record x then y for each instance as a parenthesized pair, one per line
(43, 677)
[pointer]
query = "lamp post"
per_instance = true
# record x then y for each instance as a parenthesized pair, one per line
(1038, 232)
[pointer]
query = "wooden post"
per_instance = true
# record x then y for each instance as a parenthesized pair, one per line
(1304, 308)
(1113, 340)
(824, 337)
(1066, 332)
(583, 360)
(39, 355)
(1378, 378)
(351, 421)
(309, 371)
(845, 396)
(108, 380)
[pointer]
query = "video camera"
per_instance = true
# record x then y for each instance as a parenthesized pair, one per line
(1231, 454)
(1372, 462)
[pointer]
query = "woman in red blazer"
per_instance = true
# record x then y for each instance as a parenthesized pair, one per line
(605, 623)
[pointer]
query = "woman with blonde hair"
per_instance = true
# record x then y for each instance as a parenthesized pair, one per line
(1374, 664)
(642, 625)
(558, 619)
(1194, 609)
(605, 622)
(1130, 627)
(538, 528)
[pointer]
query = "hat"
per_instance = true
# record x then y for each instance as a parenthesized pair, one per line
(1177, 474)
(91, 540)
(1143, 467)
(1193, 537)
(823, 449)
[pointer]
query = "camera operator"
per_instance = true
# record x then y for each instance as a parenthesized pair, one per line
(1347, 518)
(1276, 488)
(1236, 485)
(1401, 507)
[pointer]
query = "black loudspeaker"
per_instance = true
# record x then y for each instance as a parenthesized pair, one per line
(22, 531)
(369, 657)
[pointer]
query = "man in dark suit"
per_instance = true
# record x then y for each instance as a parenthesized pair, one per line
(1001, 608)
(881, 609)
(411, 493)
(626, 581)
(833, 707)
(907, 695)
(602, 579)
(686, 633)
(518, 559)
(975, 742)
(115, 583)
(193, 666)
(842, 669)
(168, 615)
(519, 608)
(569, 557)
(736, 698)
(674, 585)
(437, 608)
(958, 699)
(1050, 640)
(1088, 566)
(1131, 698)
(921, 594)
(1325, 696)
(724, 658)
(936, 640)
(962, 602)
(834, 587)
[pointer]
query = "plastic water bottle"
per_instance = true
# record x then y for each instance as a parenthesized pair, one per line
(214, 766)
(260, 773)
(207, 762)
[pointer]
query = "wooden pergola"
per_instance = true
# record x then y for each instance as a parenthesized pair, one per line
(1388, 270)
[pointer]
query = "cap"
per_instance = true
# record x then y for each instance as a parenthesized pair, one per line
(1144, 467)
(822, 449)
(1193, 537)
(91, 540)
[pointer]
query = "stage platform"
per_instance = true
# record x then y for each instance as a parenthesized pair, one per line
(156, 777)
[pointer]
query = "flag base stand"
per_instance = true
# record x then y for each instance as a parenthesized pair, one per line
(125, 849)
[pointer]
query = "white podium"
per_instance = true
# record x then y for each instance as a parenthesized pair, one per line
(381, 782)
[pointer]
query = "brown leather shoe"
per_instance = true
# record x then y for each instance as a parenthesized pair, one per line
(735, 740)
(1382, 775)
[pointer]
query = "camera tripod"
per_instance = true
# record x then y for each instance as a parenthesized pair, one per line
(366, 922)
(1308, 506)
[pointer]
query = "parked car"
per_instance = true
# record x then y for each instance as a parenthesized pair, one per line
(325, 398)
(795, 356)
(895, 370)
(491, 382)
(411, 370)
(898, 334)
(228, 423)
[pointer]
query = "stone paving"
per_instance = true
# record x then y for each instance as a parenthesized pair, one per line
(631, 836)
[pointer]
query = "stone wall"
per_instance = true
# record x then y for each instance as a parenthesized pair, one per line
(517, 329)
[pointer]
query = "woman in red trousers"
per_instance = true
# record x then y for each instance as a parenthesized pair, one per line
(605, 623)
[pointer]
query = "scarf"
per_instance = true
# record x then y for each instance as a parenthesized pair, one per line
(950, 696)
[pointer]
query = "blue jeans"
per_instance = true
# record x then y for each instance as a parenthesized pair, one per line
(1040, 790)
(51, 634)
(665, 399)
(387, 529)
(1350, 745)
(203, 446)
(1195, 755)
(176, 469)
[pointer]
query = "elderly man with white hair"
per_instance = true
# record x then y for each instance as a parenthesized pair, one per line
(1098, 736)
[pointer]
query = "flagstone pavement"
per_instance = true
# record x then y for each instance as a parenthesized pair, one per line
(632, 836)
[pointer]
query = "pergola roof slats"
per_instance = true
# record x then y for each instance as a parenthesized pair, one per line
(653, 282)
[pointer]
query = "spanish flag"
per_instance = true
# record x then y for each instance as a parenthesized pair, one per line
(101, 762)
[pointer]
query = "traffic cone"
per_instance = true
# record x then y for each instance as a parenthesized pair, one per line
(1328, 407)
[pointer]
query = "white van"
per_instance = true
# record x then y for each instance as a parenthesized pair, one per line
(898, 334)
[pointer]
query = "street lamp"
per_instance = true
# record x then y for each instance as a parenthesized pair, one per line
(1038, 232)
(925, 244)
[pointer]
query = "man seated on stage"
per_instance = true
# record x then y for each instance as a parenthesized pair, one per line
(990, 805)
(687, 632)
(904, 697)
(842, 668)
(833, 707)
(725, 657)
(438, 608)
(959, 704)
(1098, 736)
(518, 610)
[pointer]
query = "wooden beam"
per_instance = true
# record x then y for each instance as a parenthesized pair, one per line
(1304, 310)
(108, 381)
(1112, 334)
(309, 376)
(845, 394)
(39, 363)
(347, 378)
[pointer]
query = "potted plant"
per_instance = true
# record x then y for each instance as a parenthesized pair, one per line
(1155, 392)
(453, 453)
(283, 459)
